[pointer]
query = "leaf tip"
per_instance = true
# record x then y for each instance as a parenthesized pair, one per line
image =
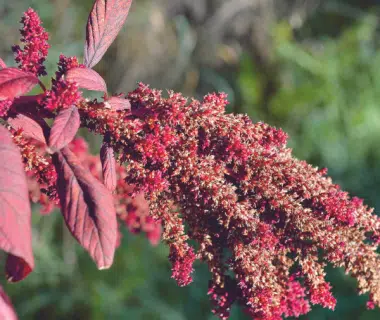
(104, 267)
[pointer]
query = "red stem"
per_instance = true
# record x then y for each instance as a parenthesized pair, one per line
(42, 85)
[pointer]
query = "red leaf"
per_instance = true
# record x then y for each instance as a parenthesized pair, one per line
(87, 207)
(107, 157)
(15, 82)
(16, 269)
(25, 103)
(104, 23)
(32, 126)
(86, 79)
(15, 215)
(29, 105)
(2, 64)
(64, 128)
(7, 311)
(119, 104)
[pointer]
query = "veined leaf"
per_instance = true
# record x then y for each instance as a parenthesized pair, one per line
(15, 214)
(107, 157)
(119, 104)
(15, 82)
(32, 126)
(64, 128)
(104, 23)
(86, 79)
(87, 207)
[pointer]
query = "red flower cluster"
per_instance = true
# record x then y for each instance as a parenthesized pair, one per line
(36, 47)
(42, 176)
(63, 93)
(253, 209)
(5, 106)
(134, 212)
(182, 258)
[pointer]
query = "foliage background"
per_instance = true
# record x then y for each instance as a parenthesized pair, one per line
(311, 67)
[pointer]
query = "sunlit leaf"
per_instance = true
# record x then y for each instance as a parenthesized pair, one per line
(14, 83)
(86, 79)
(104, 23)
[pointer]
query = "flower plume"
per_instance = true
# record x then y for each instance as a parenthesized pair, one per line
(36, 47)
(252, 208)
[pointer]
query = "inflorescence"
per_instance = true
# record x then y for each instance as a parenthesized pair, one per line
(253, 209)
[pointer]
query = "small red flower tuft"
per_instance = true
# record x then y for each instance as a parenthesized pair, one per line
(370, 305)
(182, 258)
(322, 295)
(294, 302)
(65, 64)
(36, 47)
(5, 105)
(63, 94)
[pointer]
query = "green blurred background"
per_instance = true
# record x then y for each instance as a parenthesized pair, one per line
(311, 67)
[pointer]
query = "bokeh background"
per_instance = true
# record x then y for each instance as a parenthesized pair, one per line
(311, 67)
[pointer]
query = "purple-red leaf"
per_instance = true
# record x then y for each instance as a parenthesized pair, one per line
(31, 126)
(15, 214)
(107, 157)
(104, 23)
(86, 79)
(29, 105)
(87, 207)
(15, 82)
(119, 104)
(2, 64)
(64, 128)
(7, 311)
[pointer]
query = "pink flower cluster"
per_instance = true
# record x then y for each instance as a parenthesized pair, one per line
(36, 47)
